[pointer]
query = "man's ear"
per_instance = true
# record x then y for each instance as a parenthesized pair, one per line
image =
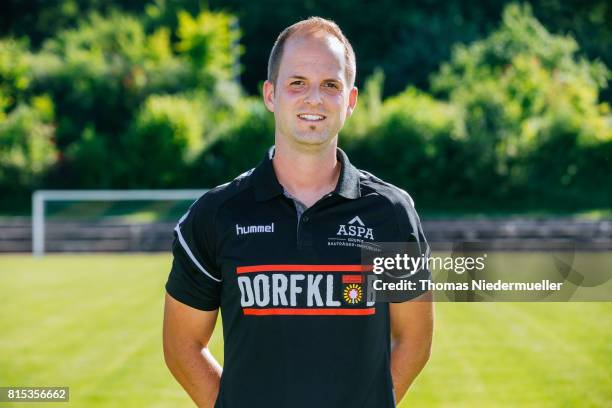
(352, 102)
(268, 95)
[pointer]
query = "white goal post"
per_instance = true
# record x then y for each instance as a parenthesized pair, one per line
(40, 197)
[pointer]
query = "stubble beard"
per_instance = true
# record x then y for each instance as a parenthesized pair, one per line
(307, 135)
(312, 138)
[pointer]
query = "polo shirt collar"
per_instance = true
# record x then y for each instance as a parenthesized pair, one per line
(348, 183)
(266, 184)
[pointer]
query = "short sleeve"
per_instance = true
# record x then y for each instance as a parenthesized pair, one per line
(411, 232)
(194, 278)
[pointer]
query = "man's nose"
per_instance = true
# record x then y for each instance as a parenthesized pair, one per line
(313, 96)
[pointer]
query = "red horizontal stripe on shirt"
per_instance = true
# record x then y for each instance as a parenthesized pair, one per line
(309, 311)
(351, 279)
(303, 268)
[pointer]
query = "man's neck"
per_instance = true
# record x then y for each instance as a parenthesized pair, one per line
(307, 176)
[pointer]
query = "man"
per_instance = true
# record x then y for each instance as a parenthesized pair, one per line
(278, 249)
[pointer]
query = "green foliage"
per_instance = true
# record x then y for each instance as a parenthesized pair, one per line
(90, 158)
(520, 33)
(14, 74)
(240, 144)
(413, 41)
(167, 134)
(27, 150)
(522, 124)
(148, 100)
(522, 90)
(101, 71)
(368, 110)
(408, 41)
(404, 137)
(130, 101)
(210, 40)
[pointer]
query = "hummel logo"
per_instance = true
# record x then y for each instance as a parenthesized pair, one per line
(254, 229)
(352, 230)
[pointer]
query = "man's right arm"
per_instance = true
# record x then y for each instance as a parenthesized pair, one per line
(185, 336)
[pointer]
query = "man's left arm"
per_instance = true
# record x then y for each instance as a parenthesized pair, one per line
(411, 336)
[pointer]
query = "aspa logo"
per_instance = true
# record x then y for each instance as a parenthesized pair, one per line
(355, 229)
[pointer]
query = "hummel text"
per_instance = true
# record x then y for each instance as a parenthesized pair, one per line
(254, 229)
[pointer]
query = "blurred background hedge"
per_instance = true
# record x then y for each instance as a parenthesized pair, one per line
(500, 107)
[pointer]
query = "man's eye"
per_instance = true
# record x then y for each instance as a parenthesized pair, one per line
(297, 83)
(331, 85)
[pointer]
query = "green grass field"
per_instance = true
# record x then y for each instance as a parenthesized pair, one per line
(93, 323)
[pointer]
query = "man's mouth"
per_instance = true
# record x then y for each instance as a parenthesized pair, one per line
(311, 117)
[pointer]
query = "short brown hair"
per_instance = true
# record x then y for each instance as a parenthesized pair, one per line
(304, 27)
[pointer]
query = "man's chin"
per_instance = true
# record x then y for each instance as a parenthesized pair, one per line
(312, 139)
(310, 143)
(307, 140)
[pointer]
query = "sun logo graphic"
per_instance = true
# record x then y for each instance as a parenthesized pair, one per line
(352, 293)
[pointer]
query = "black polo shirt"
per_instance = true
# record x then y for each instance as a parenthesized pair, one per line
(298, 328)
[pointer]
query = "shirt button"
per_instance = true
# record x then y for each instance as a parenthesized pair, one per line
(305, 218)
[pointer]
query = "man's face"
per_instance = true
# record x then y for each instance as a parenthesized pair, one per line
(311, 98)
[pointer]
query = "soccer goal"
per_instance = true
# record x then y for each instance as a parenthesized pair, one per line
(85, 209)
